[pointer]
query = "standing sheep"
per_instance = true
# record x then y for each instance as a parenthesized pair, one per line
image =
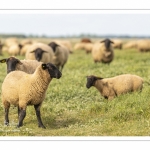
(115, 86)
(61, 55)
(27, 66)
(103, 51)
(14, 49)
(22, 89)
(86, 40)
(40, 52)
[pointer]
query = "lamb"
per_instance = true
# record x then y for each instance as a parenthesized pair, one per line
(61, 55)
(27, 66)
(22, 89)
(40, 52)
(103, 51)
(115, 86)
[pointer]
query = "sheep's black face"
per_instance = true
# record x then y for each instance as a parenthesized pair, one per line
(107, 43)
(11, 63)
(38, 53)
(90, 81)
(53, 45)
(53, 71)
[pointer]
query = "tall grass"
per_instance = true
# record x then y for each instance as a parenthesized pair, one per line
(70, 109)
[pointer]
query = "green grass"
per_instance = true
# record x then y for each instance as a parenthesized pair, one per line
(70, 109)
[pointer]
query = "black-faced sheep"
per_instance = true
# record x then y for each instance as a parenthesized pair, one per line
(22, 89)
(115, 86)
(40, 52)
(61, 55)
(27, 66)
(103, 51)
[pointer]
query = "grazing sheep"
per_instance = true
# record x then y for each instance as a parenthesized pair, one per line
(22, 89)
(143, 45)
(103, 51)
(88, 47)
(86, 40)
(117, 43)
(61, 55)
(40, 52)
(27, 66)
(115, 86)
(130, 45)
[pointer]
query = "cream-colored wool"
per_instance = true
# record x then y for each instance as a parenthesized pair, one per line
(143, 45)
(24, 49)
(101, 54)
(28, 66)
(46, 57)
(22, 89)
(14, 50)
(117, 43)
(121, 84)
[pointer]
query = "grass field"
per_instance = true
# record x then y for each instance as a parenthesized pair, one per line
(70, 109)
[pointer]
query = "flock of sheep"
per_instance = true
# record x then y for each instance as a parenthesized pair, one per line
(27, 80)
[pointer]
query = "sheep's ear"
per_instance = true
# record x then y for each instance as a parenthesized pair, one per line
(44, 66)
(3, 60)
(45, 51)
(32, 51)
(19, 62)
(112, 42)
(102, 41)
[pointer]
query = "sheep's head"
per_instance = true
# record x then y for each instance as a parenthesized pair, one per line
(52, 70)
(91, 80)
(38, 53)
(11, 63)
(53, 45)
(107, 43)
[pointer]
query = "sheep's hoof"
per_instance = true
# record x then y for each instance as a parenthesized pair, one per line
(6, 123)
(42, 126)
(18, 126)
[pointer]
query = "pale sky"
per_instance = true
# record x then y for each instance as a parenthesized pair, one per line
(75, 24)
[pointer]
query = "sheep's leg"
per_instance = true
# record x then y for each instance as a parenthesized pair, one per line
(18, 112)
(6, 116)
(22, 114)
(7, 106)
(38, 114)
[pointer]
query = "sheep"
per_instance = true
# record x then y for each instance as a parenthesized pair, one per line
(26, 41)
(103, 51)
(21, 89)
(79, 46)
(115, 86)
(117, 43)
(10, 41)
(86, 40)
(27, 66)
(65, 43)
(61, 55)
(130, 44)
(14, 49)
(24, 49)
(143, 45)
(40, 52)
